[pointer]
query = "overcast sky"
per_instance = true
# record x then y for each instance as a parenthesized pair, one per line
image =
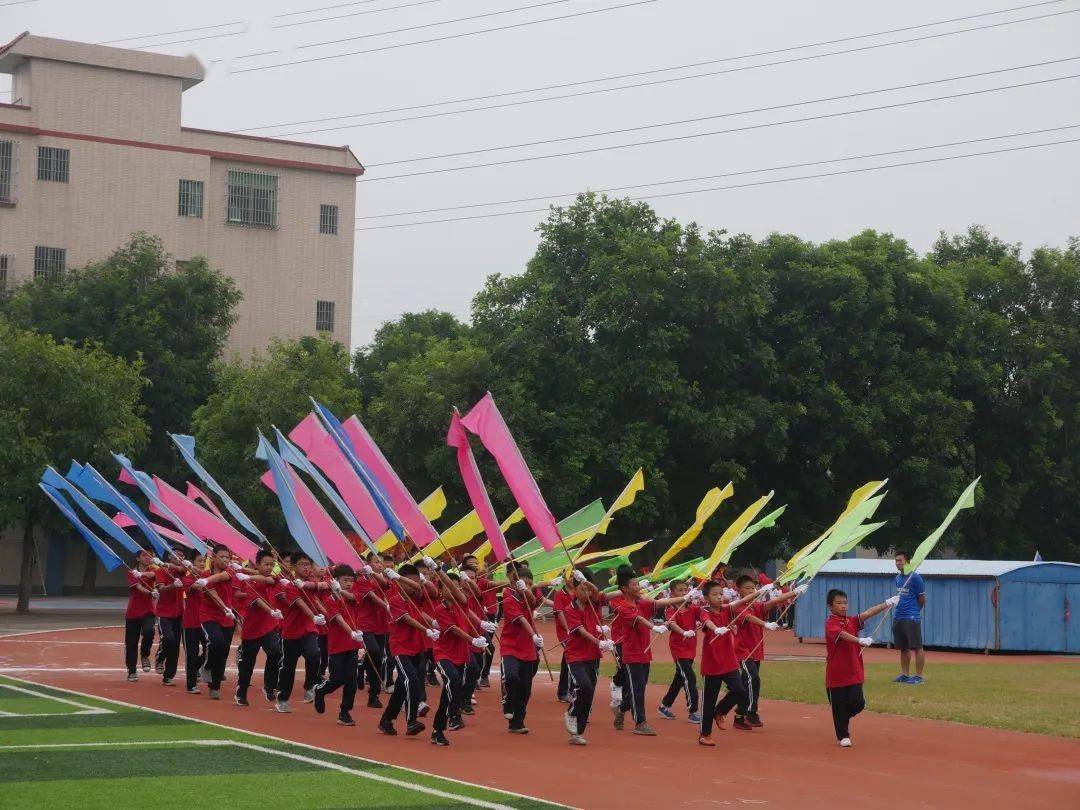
(1030, 196)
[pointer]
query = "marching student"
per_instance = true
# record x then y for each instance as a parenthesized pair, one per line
(475, 605)
(169, 608)
(139, 616)
(719, 664)
(344, 643)
(217, 616)
(194, 640)
(585, 642)
(409, 628)
(319, 580)
(260, 630)
(453, 652)
(563, 595)
(844, 674)
(371, 620)
(682, 622)
(632, 627)
(489, 598)
(298, 635)
(389, 562)
(519, 642)
(750, 642)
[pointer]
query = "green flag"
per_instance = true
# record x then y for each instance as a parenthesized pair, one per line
(837, 538)
(766, 522)
(965, 501)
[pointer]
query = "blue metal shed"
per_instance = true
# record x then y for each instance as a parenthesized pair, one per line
(970, 604)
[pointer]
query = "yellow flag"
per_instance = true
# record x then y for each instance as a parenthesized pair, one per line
(484, 548)
(593, 556)
(857, 497)
(709, 504)
(457, 535)
(734, 530)
(432, 508)
(624, 499)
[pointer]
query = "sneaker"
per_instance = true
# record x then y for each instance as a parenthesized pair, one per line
(159, 667)
(754, 720)
(620, 719)
(215, 694)
(438, 738)
(570, 722)
(456, 724)
(193, 690)
(915, 680)
(145, 664)
(320, 700)
(282, 707)
(902, 679)
(694, 718)
(241, 699)
(422, 710)
(564, 699)
(666, 712)
(345, 719)
(846, 742)
(484, 683)
(387, 728)
(132, 677)
(644, 730)
(706, 739)
(432, 680)
(616, 696)
(741, 724)
(204, 675)
(518, 730)
(270, 695)
(414, 728)
(508, 715)
(309, 696)
(577, 739)
(474, 702)
(166, 681)
(468, 710)
(373, 702)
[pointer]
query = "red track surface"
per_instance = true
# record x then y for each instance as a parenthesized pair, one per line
(896, 762)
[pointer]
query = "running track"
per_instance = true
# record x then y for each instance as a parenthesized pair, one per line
(896, 762)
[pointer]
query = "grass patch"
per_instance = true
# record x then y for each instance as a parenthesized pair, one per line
(1043, 699)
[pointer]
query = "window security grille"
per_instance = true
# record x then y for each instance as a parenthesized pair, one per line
(53, 164)
(191, 198)
(324, 316)
(252, 199)
(49, 262)
(328, 219)
(7, 170)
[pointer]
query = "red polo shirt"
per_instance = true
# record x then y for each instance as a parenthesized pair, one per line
(516, 638)
(257, 622)
(632, 634)
(338, 639)
(192, 603)
(718, 653)
(451, 646)
(139, 604)
(578, 647)
(168, 604)
(843, 659)
(404, 639)
(686, 617)
(210, 611)
(370, 615)
(296, 623)
(750, 642)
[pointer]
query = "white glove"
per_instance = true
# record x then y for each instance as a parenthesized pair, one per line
(557, 582)
(800, 590)
(367, 570)
(177, 583)
(277, 614)
(299, 583)
(335, 586)
(772, 626)
(659, 629)
(235, 566)
(155, 595)
(694, 595)
(430, 563)
(603, 630)
(357, 636)
(480, 643)
(538, 640)
(157, 561)
(489, 627)
(242, 577)
(720, 631)
(229, 614)
(689, 633)
(865, 641)
(391, 574)
(520, 585)
(423, 579)
(579, 577)
(283, 582)
(319, 620)
(892, 601)
(187, 564)
(764, 589)
(432, 634)
(730, 594)
(202, 583)
(465, 572)
(644, 583)
(607, 645)
(435, 624)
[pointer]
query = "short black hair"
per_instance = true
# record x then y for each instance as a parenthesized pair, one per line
(408, 570)
(387, 557)
(833, 593)
(190, 554)
(625, 576)
(299, 556)
(453, 576)
(220, 547)
(262, 555)
(523, 571)
(468, 557)
(742, 579)
(710, 586)
(903, 554)
(342, 571)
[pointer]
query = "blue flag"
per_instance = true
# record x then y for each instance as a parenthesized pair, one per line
(107, 556)
(53, 479)
(97, 487)
(294, 518)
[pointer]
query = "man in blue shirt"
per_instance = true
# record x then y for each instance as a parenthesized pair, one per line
(907, 622)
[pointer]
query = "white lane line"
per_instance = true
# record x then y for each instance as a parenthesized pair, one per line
(111, 744)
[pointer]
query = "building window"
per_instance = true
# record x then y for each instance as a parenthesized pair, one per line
(191, 197)
(49, 262)
(7, 169)
(5, 263)
(252, 199)
(52, 164)
(327, 219)
(324, 316)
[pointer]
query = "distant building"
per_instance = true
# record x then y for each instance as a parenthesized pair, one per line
(92, 150)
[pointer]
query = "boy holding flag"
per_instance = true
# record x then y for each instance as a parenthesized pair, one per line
(344, 645)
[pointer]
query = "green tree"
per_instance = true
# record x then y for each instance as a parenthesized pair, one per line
(138, 307)
(58, 402)
(268, 390)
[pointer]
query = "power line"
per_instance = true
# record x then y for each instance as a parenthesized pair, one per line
(170, 33)
(449, 36)
(17, 3)
(699, 119)
(746, 128)
(662, 70)
(325, 8)
(355, 14)
(817, 176)
(782, 167)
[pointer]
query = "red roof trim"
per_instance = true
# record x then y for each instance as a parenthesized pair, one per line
(164, 147)
(4, 49)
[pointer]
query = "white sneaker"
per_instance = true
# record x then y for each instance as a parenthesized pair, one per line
(846, 742)
(282, 707)
(577, 739)
(616, 696)
(309, 696)
(571, 723)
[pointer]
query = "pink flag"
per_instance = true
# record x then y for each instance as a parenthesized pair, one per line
(197, 494)
(327, 534)
(203, 522)
(486, 422)
(311, 437)
(474, 484)
(124, 522)
(408, 511)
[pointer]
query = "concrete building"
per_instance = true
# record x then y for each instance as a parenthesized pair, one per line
(92, 150)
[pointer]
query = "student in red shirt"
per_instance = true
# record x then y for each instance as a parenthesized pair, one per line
(217, 616)
(409, 629)
(585, 642)
(295, 599)
(453, 653)
(719, 663)
(563, 595)
(139, 616)
(344, 642)
(260, 629)
(489, 599)
(519, 641)
(633, 628)
(843, 660)
(475, 605)
(168, 607)
(194, 640)
(682, 621)
(371, 619)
